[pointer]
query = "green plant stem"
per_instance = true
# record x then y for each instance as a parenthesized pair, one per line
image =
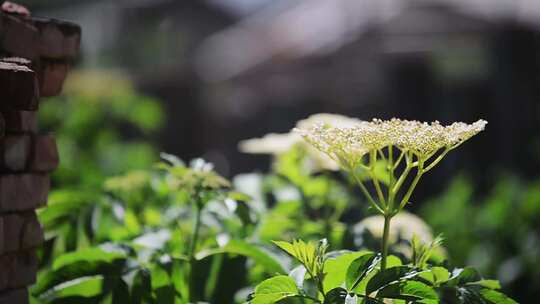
(437, 160)
(373, 162)
(191, 254)
(398, 161)
(412, 187)
(386, 233)
(397, 186)
(366, 194)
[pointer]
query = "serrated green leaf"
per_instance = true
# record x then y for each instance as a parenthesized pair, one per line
(274, 289)
(360, 268)
(409, 290)
(335, 269)
(336, 296)
(309, 254)
(462, 276)
(440, 274)
(387, 276)
(490, 284)
(495, 297)
(393, 261)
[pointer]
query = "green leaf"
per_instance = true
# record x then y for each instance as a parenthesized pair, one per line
(393, 261)
(495, 297)
(261, 257)
(300, 250)
(142, 287)
(82, 263)
(83, 287)
(359, 268)
(120, 292)
(490, 284)
(409, 290)
(63, 205)
(387, 276)
(462, 276)
(440, 274)
(336, 296)
(165, 295)
(309, 254)
(90, 255)
(335, 269)
(274, 289)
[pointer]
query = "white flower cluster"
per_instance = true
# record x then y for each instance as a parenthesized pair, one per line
(347, 144)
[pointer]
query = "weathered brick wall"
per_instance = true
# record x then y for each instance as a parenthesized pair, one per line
(35, 56)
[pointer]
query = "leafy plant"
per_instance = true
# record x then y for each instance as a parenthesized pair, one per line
(177, 232)
(496, 232)
(357, 277)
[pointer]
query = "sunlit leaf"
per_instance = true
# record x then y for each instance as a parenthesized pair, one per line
(274, 289)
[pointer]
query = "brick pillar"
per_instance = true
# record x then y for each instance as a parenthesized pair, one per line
(35, 56)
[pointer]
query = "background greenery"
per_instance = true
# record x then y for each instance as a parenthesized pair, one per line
(118, 227)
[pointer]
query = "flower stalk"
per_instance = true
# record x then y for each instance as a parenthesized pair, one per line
(417, 143)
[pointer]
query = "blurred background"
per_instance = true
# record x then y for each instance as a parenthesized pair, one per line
(193, 77)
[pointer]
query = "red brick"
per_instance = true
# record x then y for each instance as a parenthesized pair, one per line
(51, 75)
(15, 152)
(45, 155)
(28, 153)
(20, 121)
(32, 234)
(17, 296)
(13, 225)
(22, 192)
(19, 89)
(58, 39)
(17, 37)
(2, 125)
(2, 234)
(20, 232)
(18, 270)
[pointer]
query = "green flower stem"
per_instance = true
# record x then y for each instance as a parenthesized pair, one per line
(365, 191)
(398, 161)
(191, 253)
(367, 194)
(386, 233)
(399, 182)
(373, 162)
(409, 192)
(437, 160)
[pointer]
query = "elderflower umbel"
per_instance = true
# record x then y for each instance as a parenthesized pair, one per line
(348, 144)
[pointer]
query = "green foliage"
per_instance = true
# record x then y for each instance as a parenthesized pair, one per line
(410, 283)
(497, 233)
(91, 122)
(177, 232)
(274, 290)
